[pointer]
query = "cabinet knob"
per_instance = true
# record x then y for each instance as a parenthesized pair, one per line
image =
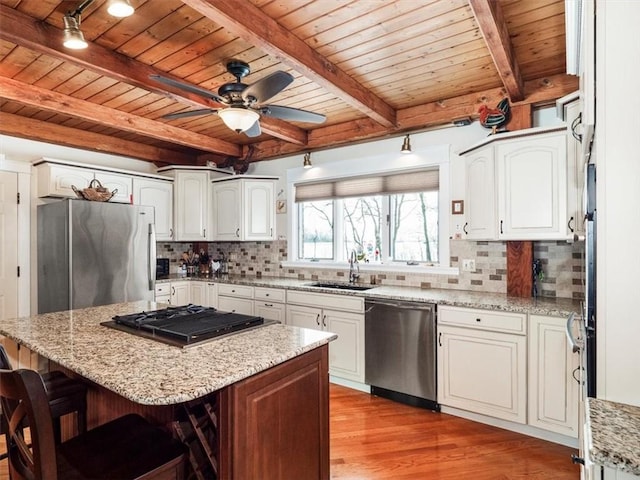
(478, 319)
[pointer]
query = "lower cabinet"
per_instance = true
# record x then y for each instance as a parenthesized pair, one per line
(235, 298)
(180, 293)
(198, 293)
(212, 294)
(553, 377)
(163, 292)
(481, 368)
(346, 353)
(269, 303)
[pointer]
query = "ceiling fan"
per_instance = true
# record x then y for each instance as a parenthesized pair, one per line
(243, 104)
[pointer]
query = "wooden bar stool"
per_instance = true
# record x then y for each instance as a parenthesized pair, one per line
(126, 448)
(65, 394)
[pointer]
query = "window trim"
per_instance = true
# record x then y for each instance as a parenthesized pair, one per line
(432, 156)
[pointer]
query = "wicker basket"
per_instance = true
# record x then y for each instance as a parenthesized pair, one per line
(95, 192)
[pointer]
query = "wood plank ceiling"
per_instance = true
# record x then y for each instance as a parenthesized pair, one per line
(374, 68)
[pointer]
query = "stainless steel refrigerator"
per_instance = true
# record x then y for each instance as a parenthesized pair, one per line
(94, 253)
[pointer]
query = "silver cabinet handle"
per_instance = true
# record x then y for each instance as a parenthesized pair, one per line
(238, 232)
(318, 319)
(173, 290)
(171, 232)
(324, 320)
(572, 341)
(268, 304)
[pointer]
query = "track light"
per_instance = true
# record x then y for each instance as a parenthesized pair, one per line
(120, 8)
(73, 37)
(307, 160)
(406, 145)
(238, 119)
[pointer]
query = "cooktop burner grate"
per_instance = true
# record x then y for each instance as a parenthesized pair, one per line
(184, 325)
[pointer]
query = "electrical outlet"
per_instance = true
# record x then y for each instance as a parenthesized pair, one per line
(468, 265)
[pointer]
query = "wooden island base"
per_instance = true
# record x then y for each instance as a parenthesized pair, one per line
(273, 425)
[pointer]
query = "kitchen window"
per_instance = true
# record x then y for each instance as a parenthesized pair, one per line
(384, 218)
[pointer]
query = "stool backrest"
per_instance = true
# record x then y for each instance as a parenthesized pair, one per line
(24, 404)
(5, 364)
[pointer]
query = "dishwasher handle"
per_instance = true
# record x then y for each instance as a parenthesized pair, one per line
(403, 306)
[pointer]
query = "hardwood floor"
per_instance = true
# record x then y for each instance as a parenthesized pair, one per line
(373, 438)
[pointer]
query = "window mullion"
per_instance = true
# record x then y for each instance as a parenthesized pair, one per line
(385, 231)
(338, 231)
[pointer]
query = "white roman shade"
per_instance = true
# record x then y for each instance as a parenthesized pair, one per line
(380, 184)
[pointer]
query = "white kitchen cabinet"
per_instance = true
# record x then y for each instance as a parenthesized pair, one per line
(180, 293)
(553, 390)
(518, 182)
(123, 184)
(611, 474)
(163, 292)
(235, 298)
(269, 303)
(481, 369)
(244, 209)
(346, 353)
(56, 180)
(159, 195)
(212, 294)
(480, 197)
(569, 110)
(198, 293)
(192, 206)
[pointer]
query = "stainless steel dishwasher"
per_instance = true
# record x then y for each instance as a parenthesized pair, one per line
(400, 351)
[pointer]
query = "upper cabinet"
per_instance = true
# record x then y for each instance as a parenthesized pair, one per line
(159, 195)
(244, 209)
(516, 187)
(192, 202)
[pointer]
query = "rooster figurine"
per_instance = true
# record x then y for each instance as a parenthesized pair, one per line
(495, 118)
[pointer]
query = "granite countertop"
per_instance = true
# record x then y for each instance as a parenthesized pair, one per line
(555, 307)
(614, 430)
(150, 372)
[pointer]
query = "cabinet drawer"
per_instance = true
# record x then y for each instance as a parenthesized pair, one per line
(163, 289)
(270, 311)
(484, 319)
(235, 305)
(323, 300)
(244, 291)
(269, 294)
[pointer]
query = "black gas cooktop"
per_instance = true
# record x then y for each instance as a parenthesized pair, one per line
(185, 325)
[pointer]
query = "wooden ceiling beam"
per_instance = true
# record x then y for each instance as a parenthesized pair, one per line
(537, 92)
(31, 129)
(248, 22)
(43, 38)
(493, 26)
(56, 102)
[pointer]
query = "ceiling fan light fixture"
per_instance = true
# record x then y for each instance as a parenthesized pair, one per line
(238, 119)
(406, 145)
(72, 36)
(120, 8)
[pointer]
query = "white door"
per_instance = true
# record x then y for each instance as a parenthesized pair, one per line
(346, 353)
(8, 245)
(305, 317)
(192, 206)
(226, 208)
(480, 196)
(180, 293)
(159, 195)
(121, 184)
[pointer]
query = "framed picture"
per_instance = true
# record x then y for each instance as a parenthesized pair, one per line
(457, 207)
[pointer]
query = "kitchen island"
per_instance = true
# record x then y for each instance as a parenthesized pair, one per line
(259, 397)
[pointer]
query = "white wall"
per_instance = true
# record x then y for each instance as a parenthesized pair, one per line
(617, 151)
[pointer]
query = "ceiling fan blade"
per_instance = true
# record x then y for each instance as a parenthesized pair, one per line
(295, 114)
(189, 88)
(189, 113)
(267, 87)
(254, 131)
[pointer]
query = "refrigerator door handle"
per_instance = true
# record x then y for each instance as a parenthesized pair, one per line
(152, 256)
(572, 341)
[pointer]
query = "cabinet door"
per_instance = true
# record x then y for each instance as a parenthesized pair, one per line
(346, 353)
(305, 317)
(483, 372)
(212, 295)
(258, 210)
(553, 392)
(532, 187)
(117, 181)
(191, 200)
(226, 207)
(270, 311)
(56, 180)
(575, 173)
(480, 195)
(159, 195)
(235, 305)
(180, 293)
(198, 293)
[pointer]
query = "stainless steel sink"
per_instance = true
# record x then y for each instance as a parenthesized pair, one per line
(340, 286)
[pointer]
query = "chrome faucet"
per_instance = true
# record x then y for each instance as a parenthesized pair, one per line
(353, 261)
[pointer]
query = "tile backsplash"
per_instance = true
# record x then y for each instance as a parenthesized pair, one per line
(562, 265)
